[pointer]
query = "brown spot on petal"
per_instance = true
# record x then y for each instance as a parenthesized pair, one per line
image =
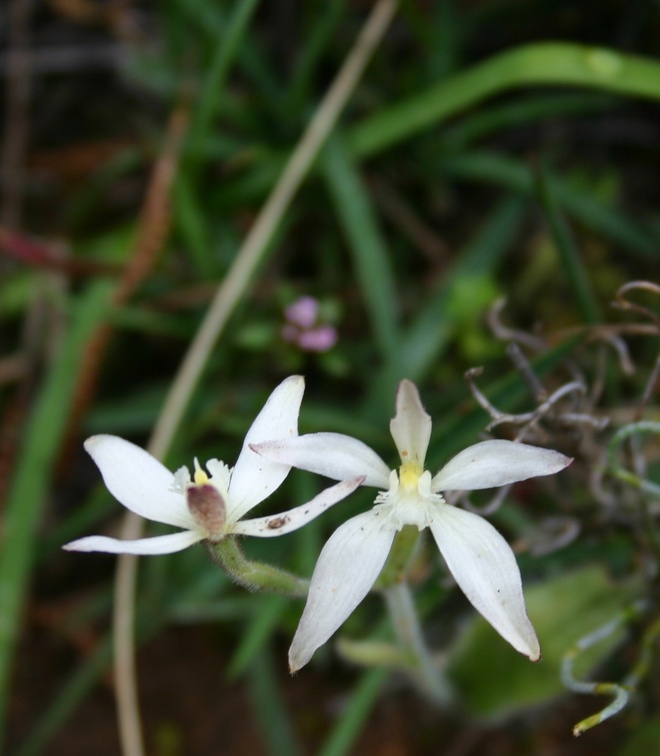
(277, 522)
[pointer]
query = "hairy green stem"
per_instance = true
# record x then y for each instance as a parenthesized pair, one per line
(255, 576)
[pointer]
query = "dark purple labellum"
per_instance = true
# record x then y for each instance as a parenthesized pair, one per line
(207, 507)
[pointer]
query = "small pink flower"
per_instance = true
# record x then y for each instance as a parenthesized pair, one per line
(303, 312)
(318, 339)
(302, 329)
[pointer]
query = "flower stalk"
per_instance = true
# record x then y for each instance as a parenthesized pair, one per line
(255, 576)
(398, 561)
(421, 666)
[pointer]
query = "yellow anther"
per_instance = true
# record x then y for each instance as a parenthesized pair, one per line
(409, 473)
(200, 476)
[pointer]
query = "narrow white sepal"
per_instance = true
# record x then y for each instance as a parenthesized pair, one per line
(139, 481)
(490, 464)
(346, 570)
(166, 544)
(254, 477)
(411, 426)
(334, 455)
(287, 522)
(485, 569)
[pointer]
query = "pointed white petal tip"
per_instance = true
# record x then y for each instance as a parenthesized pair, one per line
(254, 478)
(167, 544)
(295, 666)
(345, 572)
(490, 464)
(485, 569)
(91, 442)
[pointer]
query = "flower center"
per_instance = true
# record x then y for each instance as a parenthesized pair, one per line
(409, 500)
(206, 495)
(206, 504)
(409, 475)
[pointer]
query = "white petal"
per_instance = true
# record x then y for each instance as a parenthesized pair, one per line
(485, 569)
(331, 454)
(254, 477)
(347, 568)
(497, 463)
(139, 481)
(166, 544)
(411, 427)
(287, 522)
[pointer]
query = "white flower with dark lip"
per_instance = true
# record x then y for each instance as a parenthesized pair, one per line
(208, 506)
(478, 557)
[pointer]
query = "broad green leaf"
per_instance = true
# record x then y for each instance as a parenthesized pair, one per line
(493, 680)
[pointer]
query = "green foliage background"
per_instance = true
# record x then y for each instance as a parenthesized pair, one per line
(491, 149)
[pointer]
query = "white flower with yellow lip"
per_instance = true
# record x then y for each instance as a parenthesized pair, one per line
(208, 506)
(478, 557)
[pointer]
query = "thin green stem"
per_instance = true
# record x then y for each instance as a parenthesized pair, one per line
(356, 713)
(620, 693)
(424, 670)
(403, 549)
(414, 653)
(614, 468)
(43, 436)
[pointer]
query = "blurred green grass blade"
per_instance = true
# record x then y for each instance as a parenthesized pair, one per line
(134, 413)
(521, 111)
(268, 83)
(356, 712)
(151, 320)
(429, 333)
(255, 639)
(270, 708)
(446, 37)
(214, 83)
(78, 522)
(439, 31)
(191, 225)
(544, 63)
(368, 249)
(44, 432)
(190, 220)
(310, 56)
(494, 168)
(567, 249)
(551, 64)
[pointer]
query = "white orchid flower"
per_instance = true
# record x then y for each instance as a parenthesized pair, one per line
(210, 506)
(478, 557)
